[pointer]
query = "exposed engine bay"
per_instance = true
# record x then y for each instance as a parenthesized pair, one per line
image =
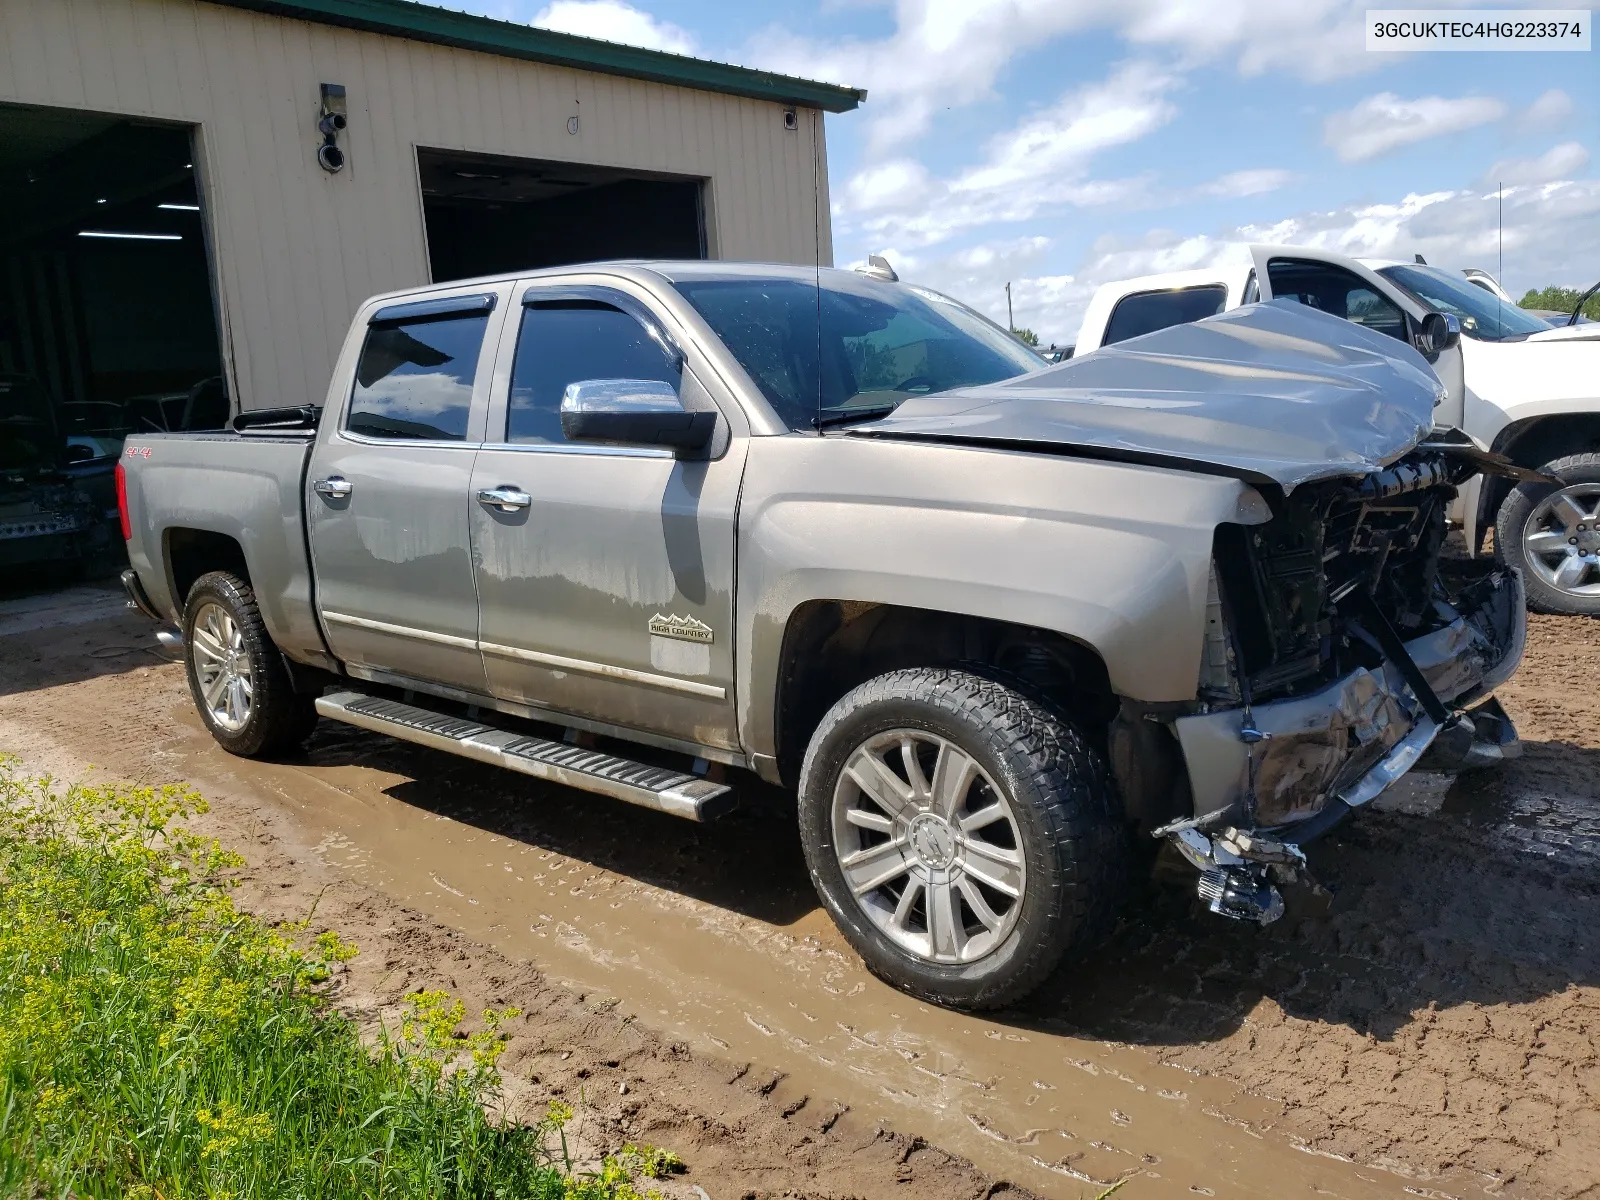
(1342, 649)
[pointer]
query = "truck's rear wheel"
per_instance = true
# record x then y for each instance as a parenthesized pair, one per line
(236, 676)
(960, 834)
(1553, 534)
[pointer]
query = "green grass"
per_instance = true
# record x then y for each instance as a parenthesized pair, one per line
(157, 1043)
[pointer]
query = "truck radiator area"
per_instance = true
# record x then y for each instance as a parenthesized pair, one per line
(1343, 649)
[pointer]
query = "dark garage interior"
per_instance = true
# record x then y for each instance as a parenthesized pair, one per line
(107, 324)
(486, 214)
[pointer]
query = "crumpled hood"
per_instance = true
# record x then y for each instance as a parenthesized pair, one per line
(1277, 394)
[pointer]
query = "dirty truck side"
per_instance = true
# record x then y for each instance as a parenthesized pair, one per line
(625, 527)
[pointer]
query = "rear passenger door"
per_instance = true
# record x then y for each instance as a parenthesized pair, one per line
(387, 493)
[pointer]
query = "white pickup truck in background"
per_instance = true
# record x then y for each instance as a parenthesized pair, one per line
(1516, 387)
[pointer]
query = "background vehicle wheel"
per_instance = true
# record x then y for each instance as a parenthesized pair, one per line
(1553, 534)
(236, 675)
(960, 834)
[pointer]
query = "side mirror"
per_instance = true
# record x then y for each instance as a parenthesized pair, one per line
(1439, 332)
(632, 412)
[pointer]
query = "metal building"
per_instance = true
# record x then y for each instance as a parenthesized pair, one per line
(195, 194)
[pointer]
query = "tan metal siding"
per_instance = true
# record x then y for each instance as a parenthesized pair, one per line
(297, 249)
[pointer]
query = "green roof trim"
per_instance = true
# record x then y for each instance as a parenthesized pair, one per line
(466, 31)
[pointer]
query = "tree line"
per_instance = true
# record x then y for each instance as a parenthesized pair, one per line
(1561, 299)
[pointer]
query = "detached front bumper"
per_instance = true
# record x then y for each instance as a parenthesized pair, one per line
(1270, 777)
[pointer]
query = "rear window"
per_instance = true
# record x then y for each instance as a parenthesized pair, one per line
(414, 380)
(1146, 312)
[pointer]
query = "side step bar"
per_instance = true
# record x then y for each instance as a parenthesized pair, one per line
(652, 787)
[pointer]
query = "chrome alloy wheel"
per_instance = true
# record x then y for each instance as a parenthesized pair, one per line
(929, 846)
(222, 667)
(1561, 540)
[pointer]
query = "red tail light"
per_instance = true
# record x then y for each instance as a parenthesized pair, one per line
(122, 502)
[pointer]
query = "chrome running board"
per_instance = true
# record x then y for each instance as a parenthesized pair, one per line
(666, 790)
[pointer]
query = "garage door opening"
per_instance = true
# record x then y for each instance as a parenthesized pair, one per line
(107, 324)
(486, 214)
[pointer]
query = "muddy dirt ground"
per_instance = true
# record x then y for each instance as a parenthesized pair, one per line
(1434, 1033)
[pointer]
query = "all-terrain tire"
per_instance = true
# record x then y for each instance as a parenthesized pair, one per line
(1511, 528)
(1059, 789)
(278, 718)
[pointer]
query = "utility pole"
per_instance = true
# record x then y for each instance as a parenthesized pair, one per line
(1011, 321)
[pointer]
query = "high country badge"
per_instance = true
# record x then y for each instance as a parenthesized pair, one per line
(683, 629)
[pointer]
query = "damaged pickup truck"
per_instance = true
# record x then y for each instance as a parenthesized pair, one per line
(626, 526)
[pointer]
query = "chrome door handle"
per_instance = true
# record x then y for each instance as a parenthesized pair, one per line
(505, 497)
(333, 487)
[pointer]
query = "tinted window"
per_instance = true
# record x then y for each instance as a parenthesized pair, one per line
(414, 379)
(852, 344)
(1150, 311)
(563, 341)
(1334, 290)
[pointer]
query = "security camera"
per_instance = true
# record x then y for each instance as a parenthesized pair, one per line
(331, 124)
(791, 120)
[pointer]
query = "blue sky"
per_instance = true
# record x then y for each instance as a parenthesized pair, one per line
(1059, 144)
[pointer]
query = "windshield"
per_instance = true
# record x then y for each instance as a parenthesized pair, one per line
(28, 437)
(856, 346)
(1483, 314)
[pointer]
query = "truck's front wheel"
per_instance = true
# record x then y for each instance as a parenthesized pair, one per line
(960, 834)
(236, 676)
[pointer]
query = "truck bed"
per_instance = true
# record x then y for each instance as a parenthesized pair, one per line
(188, 491)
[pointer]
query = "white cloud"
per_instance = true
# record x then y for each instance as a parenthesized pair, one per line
(1551, 108)
(1316, 39)
(1386, 122)
(1061, 139)
(1558, 162)
(1252, 182)
(898, 183)
(948, 53)
(1453, 229)
(1040, 163)
(614, 21)
(978, 276)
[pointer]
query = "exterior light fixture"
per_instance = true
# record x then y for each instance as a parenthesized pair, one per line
(132, 237)
(180, 207)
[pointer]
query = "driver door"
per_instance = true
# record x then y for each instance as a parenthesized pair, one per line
(605, 573)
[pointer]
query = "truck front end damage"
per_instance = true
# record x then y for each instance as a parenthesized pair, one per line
(1342, 649)
(1341, 646)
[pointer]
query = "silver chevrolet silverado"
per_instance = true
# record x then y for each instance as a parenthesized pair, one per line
(1000, 624)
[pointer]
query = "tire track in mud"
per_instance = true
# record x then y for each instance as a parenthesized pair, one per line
(1435, 1033)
